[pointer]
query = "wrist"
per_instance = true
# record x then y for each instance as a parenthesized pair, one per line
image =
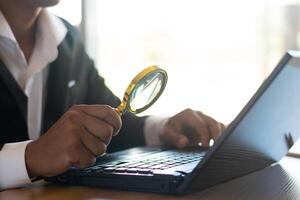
(29, 160)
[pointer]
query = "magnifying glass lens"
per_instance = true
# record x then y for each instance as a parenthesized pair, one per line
(143, 91)
(146, 91)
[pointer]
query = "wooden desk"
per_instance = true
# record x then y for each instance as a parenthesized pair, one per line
(279, 181)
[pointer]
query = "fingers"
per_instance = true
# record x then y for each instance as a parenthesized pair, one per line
(215, 128)
(191, 119)
(222, 126)
(82, 152)
(98, 128)
(103, 112)
(173, 138)
(95, 145)
(193, 127)
(95, 126)
(85, 158)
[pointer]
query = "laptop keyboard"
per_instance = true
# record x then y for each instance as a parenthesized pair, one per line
(150, 162)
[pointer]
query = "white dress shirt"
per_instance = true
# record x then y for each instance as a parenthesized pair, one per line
(31, 77)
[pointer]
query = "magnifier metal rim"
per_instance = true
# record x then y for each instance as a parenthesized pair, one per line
(140, 77)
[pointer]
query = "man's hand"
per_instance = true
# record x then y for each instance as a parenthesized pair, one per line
(189, 128)
(76, 139)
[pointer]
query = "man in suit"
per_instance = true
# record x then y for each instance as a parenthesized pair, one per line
(55, 110)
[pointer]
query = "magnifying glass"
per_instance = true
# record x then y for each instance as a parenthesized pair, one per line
(143, 91)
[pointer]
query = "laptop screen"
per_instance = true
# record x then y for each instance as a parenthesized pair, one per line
(259, 135)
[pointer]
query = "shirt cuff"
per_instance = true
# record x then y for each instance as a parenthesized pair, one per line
(13, 172)
(153, 127)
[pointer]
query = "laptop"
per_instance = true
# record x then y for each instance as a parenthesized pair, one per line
(260, 135)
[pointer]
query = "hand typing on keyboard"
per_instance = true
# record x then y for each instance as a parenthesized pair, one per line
(190, 127)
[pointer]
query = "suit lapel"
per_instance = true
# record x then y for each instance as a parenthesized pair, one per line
(14, 89)
(56, 102)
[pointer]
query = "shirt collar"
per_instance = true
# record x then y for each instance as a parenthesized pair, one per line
(51, 28)
(50, 33)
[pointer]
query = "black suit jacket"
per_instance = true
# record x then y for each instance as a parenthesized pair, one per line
(72, 64)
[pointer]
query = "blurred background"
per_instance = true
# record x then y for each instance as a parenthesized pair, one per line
(217, 53)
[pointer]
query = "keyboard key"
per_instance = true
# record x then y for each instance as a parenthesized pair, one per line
(120, 170)
(144, 171)
(109, 169)
(106, 165)
(157, 166)
(124, 165)
(144, 166)
(132, 170)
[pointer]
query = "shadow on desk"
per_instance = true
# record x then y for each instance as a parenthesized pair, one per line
(279, 181)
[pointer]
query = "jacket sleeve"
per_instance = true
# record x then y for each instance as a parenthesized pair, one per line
(132, 131)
